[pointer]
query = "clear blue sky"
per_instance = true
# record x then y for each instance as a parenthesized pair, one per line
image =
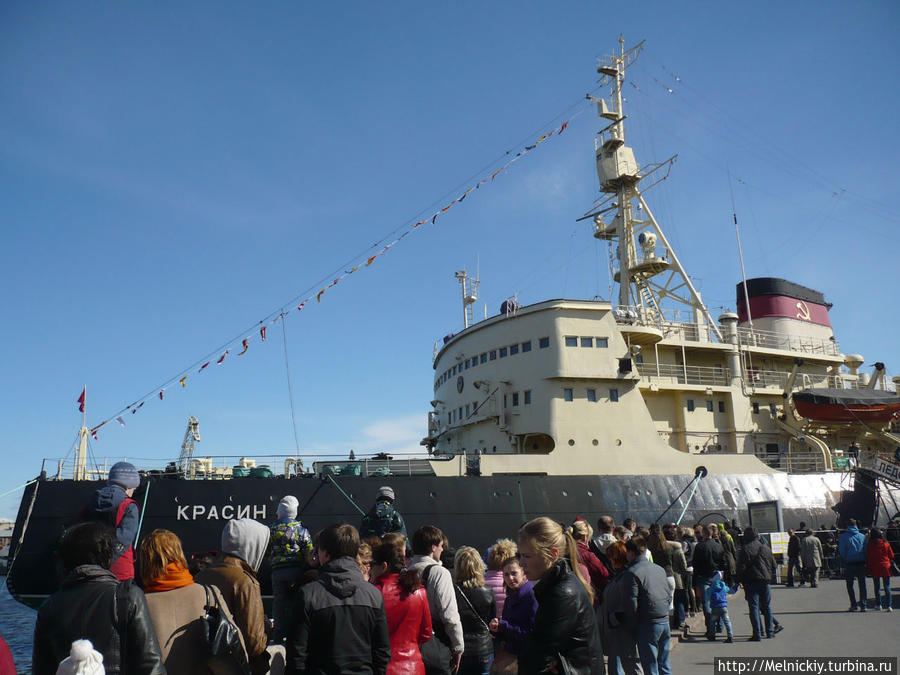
(171, 174)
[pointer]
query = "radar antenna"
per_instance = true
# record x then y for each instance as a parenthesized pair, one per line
(191, 435)
(645, 278)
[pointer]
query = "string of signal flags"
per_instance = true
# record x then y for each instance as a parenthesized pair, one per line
(241, 345)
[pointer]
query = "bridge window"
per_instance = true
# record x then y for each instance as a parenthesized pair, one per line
(568, 395)
(721, 406)
(528, 397)
(571, 341)
(493, 355)
(544, 342)
(592, 395)
(755, 408)
(587, 342)
(690, 405)
(614, 395)
(513, 349)
(484, 358)
(515, 397)
(526, 346)
(502, 352)
(602, 342)
(709, 406)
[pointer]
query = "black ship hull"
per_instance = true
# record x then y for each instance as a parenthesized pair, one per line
(473, 511)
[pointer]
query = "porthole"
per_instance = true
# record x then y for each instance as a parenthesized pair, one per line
(432, 494)
(565, 494)
(496, 495)
(571, 441)
(595, 442)
(590, 494)
(618, 441)
(637, 493)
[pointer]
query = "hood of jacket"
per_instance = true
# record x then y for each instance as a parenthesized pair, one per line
(853, 529)
(246, 539)
(83, 573)
(341, 576)
(107, 499)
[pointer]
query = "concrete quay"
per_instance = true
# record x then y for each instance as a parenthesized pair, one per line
(816, 623)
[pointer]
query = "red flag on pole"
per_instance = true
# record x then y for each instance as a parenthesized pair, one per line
(81, 400)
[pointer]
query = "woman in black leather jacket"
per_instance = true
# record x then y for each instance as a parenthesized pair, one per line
(93, 604)
(565, 627)
(476, 609)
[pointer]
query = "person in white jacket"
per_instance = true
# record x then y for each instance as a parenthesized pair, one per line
(427, 546)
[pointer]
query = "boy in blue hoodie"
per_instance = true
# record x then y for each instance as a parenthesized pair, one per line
(717, 596)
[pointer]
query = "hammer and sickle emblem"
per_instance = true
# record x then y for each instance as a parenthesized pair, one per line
(803, 312)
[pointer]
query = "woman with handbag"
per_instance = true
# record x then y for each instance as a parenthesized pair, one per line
(179, 611)
(879, 559)
(565, 633)
(477, 608)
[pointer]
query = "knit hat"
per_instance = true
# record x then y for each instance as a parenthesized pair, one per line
(82, 660)
(385, 492)
(124, 475)
(287, 507)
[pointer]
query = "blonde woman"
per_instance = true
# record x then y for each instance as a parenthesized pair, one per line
(500, 552)
(565, 634)
(476, 610)
(176, 603)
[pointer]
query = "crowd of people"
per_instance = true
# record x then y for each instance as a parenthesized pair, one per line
(563, 599)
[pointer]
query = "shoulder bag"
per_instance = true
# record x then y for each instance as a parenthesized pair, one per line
(436, 653)
(225, 652)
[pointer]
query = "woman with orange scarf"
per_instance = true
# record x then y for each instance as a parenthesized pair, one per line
(176, 603)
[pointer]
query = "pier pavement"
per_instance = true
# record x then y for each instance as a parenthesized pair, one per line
(816, 623)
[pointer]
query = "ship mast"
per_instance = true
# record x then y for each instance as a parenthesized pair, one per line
(645, 278)
(469, 287)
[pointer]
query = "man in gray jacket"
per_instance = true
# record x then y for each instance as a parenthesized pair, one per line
(812, 557)
(648, 610)
(443, 652)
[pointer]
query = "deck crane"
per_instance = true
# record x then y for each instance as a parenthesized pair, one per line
(191, 434)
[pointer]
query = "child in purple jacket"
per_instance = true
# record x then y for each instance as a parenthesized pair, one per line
(517, 623)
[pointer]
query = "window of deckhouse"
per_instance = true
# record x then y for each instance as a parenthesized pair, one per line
(709, 406)
(614, 395)
(526, 346)
(721, 406)
(513, 349)
(602, 342)
(484, 358)
(568, 395)
(544, 342)
(493, 355)
(515, 397)
(502, 352)
(690, 405)
(587, 342)
(571, 341)
(528, 397)
(592, 395)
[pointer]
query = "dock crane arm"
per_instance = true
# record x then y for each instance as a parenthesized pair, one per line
(191, 435)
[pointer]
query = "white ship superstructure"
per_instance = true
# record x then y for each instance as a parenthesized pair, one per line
(641, 385)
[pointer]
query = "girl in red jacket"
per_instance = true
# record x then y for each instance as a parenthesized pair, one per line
(406, 606)
(878, 561)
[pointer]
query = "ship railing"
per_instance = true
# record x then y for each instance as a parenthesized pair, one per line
(673, 323)
(752, 337)
(224, 467)
(673, 373)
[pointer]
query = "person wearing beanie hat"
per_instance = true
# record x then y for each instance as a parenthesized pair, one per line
(82, 660)
(290, 548)
(114, 506)
(382, 517)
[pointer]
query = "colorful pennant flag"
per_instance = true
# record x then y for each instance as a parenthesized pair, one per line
(182, 381)
(319, 295)
(262, 333)
(162, 392)
(245, 343)
(222, 358)
(81, 400)
(137, 407)
(203, 366)
(300, 306)
(120, 420)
